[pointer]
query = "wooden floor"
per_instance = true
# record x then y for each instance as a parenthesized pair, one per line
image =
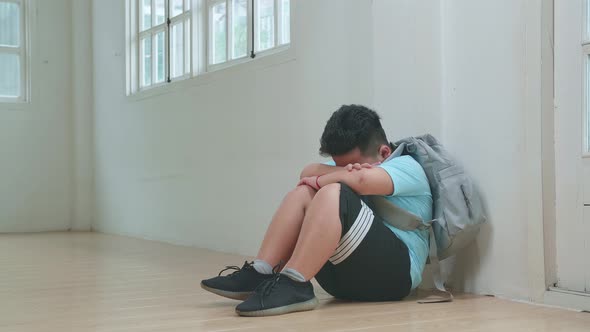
(91, 282)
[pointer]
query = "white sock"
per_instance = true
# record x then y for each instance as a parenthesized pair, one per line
(293, 274)
(262, 267)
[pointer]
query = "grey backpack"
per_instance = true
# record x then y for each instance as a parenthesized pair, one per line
(457, 207)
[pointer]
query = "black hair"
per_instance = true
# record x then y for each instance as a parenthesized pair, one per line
(350, 127)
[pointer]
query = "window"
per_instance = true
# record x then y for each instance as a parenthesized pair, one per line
(242, 28)
(168, 41)
(164, 41)
(12, 51)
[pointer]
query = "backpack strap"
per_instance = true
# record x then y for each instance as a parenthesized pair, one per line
(396, 216)
(401, 147)
(439, 280)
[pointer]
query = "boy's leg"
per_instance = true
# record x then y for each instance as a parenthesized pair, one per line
(283, 232)
(359, 258)
(320, 233)
(291, 290)
(277, 246)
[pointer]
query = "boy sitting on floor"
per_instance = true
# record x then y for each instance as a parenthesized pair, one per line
(325, 229)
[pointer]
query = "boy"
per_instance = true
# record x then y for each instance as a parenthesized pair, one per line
(324, 228)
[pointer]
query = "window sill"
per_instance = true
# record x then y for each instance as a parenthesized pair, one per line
(13, 105)
(222, 71)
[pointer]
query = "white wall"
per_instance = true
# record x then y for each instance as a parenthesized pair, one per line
(488, 87)
(407, 66)
(441, 67)
(208, 164)
(35, 138)
(462, 71)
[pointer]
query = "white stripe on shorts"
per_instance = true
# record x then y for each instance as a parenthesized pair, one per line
(355, 235)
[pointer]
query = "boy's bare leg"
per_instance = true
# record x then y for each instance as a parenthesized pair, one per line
(283, 232)
(320, 232)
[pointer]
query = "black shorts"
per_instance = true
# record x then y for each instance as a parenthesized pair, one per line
(371, 263)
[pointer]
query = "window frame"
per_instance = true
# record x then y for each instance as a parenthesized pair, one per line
(135, 36)
(276, 25)
(252, 43)
(22, 52)
(585, 48)
(186, 18)
(199, 46)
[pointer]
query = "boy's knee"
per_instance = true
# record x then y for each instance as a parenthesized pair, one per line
(304, 193)
(331, 186)
(330, 192)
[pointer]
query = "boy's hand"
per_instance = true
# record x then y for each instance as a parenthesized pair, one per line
(311, 181)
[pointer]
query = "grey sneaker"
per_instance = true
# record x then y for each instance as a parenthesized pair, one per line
(277, 296)
(238, 285)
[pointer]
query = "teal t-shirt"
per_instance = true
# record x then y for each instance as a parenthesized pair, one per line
(412, 193)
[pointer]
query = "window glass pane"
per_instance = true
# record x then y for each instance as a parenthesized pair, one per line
(587, 20)
(177, 50)
(176, 7)
(286, 21)
(9, 24)
(146, 54)
(218, 19)
(266, 24)
(187, 47)
(146, 14)
(9, 75)
(160, 40)
(160, 12)
(240, 28)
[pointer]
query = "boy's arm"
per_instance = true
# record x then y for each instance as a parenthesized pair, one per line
(373, 181)
(318, 169)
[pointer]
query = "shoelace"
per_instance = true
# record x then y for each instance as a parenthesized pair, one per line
(268, 285)
(236, 268)
(275, 269)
